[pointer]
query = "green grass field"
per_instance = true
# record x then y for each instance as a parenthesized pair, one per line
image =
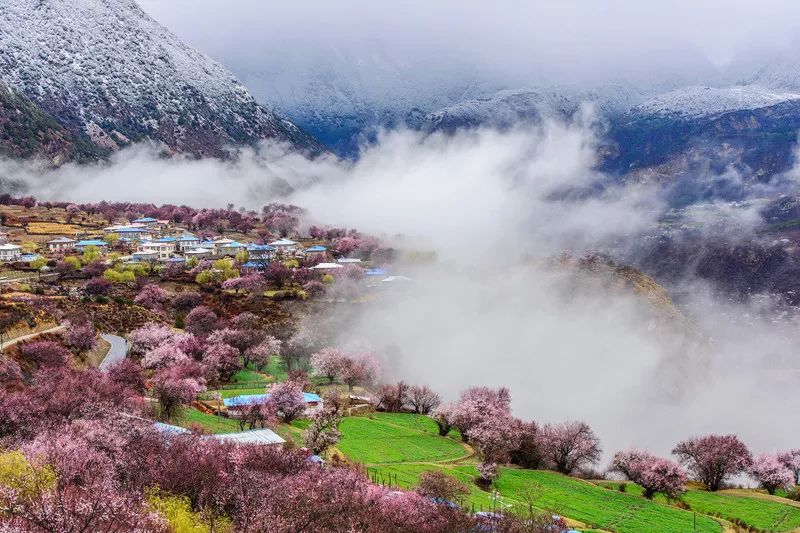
(395, 438)
(210, 423)
(747, 507)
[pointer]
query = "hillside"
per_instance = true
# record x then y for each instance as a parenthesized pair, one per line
(28, 132)
(109, 73)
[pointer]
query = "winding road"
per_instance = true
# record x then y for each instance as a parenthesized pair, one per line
(118, 351)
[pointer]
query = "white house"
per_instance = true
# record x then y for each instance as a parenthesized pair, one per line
(284, 246)
(228, 247)
(199, 253)
(325, 266)
(316, 251)
(187, 241)
(10, 252)
(163, 249)
(146, 255)
(348, 261)
(61, 244)
(261, 252)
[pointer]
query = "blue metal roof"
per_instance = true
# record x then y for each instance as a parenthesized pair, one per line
(188, 237)
(375, 272)
(260, 248)
(29, 257)
(317, 249)
(94, 242)
(130, 230)
(145, 219)
(251, 399)
(167, 239)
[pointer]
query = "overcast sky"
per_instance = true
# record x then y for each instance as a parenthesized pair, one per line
(519, 42)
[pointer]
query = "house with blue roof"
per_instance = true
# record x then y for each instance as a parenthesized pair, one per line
(187, 241)
(82, 245)
(237, 404)
(148, 221)
(316, 251)
(261, 252)
(132, 232)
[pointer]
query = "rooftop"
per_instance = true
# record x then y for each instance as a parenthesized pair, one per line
(255, 436)
(145, 220)
(61, 240)
(91, 242)
(325, 266)
(250, 399)
(282, 242)
(317, 249)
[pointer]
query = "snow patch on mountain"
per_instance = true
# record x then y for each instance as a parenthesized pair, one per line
(508, 107)
(700, 101)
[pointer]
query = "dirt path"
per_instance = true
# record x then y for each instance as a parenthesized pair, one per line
(30, 336)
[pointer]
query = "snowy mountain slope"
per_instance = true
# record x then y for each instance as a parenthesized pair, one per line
(28, 132)
(697, 101)
(108, 71)
(344, 94)
(508, 107)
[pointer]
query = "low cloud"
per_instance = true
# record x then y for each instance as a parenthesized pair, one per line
(572, 342)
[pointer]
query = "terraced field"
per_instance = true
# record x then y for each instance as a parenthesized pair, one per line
(398, 448)
(396, 438)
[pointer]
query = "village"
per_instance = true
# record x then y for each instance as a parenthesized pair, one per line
(213, 332)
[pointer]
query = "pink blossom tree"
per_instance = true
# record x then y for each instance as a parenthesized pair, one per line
(259, 355)
(528, 453)
(45, 353)
(80, 337)
(223, 359)
(152, 297)
(97, 286)
(177, 385)
(359, 370)
(247, 283)
(277, 274)
(149, 336)
(493, 438)
(10, 372)
(287, 400)
(201, 321)
(713, 458)
(652, 473)
(791, 460)
(164, 355)
(323, 431)
(127, 373)
(569, 446)
(477, 404)
(443, 416)
(423, 399)
(771, 473)
(328, 363)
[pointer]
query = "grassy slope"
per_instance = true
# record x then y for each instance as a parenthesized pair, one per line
(395, 438)
(211, 423)
(751, 508)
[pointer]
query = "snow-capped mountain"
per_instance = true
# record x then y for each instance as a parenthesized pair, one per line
(110, 73)
(344, 94)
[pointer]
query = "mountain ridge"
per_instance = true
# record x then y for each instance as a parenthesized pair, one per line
(111, 74)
